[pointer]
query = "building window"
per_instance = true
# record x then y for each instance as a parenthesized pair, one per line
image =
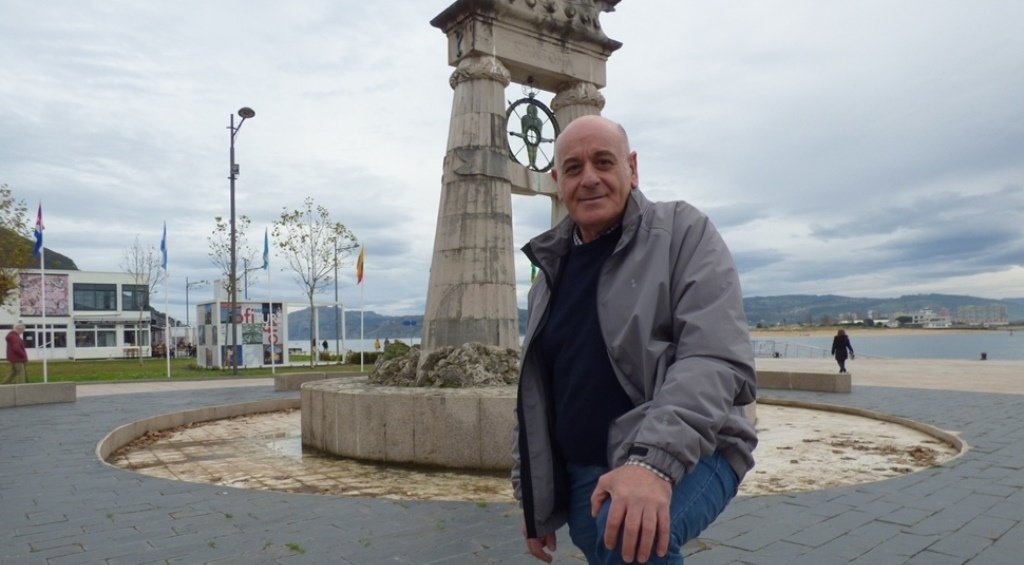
(134, 297)
(33, 336)
(130, 333)
(95, 335)
(95, 296)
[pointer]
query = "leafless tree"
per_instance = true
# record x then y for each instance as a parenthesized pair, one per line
(245, 254)
(312, 244)
(142, 262)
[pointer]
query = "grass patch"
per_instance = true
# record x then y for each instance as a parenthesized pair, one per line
(95, 370)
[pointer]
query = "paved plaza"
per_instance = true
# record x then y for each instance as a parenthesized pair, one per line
(60, 504)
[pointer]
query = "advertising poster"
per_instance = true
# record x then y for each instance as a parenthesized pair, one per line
(31, 294)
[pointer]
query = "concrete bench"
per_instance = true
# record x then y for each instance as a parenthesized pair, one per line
(37, 393)
(816, 382)
(293, 381)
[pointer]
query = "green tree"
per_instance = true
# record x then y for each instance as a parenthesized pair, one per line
(14, 229)
(245, 254)
(313, 245)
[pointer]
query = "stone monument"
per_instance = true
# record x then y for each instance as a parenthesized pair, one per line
(553, 45)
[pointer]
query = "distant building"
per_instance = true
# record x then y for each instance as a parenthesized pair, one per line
(927, 318)
(89, 315)
(983, 315)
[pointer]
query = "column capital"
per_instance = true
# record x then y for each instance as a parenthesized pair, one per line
(480, 67)
(578, 94)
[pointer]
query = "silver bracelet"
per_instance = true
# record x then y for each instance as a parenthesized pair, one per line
(657, 473)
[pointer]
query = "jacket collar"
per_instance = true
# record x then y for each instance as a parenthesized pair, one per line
(546, 249)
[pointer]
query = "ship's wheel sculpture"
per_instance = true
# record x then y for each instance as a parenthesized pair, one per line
(532, 129)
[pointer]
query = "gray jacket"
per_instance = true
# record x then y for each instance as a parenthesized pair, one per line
(672, 319)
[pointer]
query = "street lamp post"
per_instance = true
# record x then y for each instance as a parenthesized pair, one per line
(188, 286)
(244, 112)
(337, 319)
(245, 276)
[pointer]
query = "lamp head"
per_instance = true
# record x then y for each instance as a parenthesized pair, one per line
(246, 112)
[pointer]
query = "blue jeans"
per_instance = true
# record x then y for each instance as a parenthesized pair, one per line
(696, 501)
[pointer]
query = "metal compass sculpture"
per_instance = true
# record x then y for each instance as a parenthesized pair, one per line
(532, 129)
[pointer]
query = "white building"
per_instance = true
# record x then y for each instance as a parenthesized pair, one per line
(89, 315)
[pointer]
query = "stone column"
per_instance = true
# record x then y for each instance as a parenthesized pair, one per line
(472, 293)
(573, 99)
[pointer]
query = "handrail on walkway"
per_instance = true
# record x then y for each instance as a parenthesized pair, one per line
(770, 348)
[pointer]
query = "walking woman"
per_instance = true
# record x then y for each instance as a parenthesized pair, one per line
(840, 345)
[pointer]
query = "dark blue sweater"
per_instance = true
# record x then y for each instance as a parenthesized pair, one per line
(586, 395)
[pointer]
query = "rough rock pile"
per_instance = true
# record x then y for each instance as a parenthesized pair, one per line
(468, 365)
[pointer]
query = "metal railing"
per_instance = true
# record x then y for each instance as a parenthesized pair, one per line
(773, 348)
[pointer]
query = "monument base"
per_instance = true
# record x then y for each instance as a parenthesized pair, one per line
(467, 428)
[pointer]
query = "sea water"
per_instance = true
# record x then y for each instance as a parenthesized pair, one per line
(966, 345)
(996, 344)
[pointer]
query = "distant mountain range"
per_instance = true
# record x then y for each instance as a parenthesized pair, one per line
(23, 249)
(765, 310)
(804, 308)
(374, 325)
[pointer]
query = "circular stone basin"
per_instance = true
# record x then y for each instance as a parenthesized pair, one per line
(463, 428)
(800, 449)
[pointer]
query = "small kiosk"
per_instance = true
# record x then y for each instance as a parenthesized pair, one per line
(262, 332)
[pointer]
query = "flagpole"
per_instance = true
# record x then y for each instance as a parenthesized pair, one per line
(167, 328)
(167, 325)
(41, 249)
(362, 344)
(270, 297)
(360, 264)
(42, 284)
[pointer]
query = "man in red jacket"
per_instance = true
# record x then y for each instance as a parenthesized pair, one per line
(16, 355)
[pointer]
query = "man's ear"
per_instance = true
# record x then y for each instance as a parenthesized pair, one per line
(634, 175)
(558, 189)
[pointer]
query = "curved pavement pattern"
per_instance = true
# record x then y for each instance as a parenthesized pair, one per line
(58, 504)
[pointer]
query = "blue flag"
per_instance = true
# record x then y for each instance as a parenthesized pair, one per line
(38, 249)
(163, 249)
(266, 249)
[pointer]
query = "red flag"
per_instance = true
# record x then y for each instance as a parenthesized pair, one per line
(359, 265)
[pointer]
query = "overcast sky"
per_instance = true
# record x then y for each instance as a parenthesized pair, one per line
(871, 148)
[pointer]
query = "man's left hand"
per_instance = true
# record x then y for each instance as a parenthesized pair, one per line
(639, 507)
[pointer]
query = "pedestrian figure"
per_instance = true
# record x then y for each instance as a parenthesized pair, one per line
(840, 345)
(16, 355)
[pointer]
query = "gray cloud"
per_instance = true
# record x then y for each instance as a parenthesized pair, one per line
(839, 149)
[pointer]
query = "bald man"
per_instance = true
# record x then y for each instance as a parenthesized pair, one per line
(635, 368)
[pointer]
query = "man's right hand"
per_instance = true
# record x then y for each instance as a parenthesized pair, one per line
(536, 546)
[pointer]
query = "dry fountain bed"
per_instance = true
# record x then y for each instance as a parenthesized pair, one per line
(800, 450)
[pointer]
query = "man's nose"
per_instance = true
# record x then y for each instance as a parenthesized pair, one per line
(589, 177)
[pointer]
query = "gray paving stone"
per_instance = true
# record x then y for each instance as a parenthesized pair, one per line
(955, 517)
(961, 545)
(928, 557)
(906, 516)
(989, 527)
(975, 499)
(898, 548)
